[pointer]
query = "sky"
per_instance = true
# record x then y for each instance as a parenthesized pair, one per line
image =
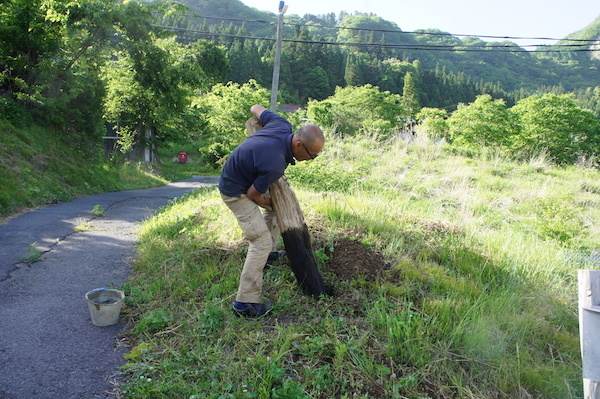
(514, 18)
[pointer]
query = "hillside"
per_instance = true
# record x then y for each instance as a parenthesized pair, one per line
(453, 277)
(39, 167)
(512, 70)
(590, 32)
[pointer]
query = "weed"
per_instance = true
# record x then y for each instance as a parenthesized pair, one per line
(33, 254)
(84, 226)
(153, 321)
(98, 210)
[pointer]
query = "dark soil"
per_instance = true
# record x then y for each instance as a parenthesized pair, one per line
(351, 260)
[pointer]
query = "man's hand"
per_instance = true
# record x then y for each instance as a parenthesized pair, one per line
(257, 110)
(260, 199)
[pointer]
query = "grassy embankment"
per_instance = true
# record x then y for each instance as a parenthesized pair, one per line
(38, 167)
(469, 290)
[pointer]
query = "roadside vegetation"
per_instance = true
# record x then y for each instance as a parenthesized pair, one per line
(453, 273)
(38, 168)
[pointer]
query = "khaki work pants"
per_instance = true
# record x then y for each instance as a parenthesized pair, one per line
(261, 230)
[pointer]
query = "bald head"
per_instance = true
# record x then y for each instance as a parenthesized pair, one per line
(308, 142)
(311, 135)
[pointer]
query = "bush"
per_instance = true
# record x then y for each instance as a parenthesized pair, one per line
(484, 122)
(354, 110)
(556, 124)
(225, 110)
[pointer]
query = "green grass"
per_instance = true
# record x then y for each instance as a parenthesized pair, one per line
(38, 168)
(477, 297)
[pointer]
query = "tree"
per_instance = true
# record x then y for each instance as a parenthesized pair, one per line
(410, 96)
(211, 59)
(224, 111)
(433, 122)
(352, 110)
(47, 66)
(27, 41)
(484, 122)
(245, 62)
(556, 124)
(150, 86)
(302, 76)
(355, 26)
(47, 62)
(353, 74)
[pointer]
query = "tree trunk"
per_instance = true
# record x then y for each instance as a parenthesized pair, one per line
(296, 238)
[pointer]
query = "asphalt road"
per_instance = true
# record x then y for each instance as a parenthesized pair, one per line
(48, 346)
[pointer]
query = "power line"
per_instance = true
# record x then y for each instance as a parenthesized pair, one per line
(416, 47)
(447, 34)
(591, 41)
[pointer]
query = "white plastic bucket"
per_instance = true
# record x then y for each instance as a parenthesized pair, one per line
(105, 306)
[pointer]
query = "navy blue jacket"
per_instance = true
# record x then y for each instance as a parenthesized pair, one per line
(261, 159)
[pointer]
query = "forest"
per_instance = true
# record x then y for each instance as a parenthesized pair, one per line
(153, 73)
(356, 49)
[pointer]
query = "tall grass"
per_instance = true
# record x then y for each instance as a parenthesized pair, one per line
(477, 298)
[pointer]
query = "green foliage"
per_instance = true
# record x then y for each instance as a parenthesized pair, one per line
(33, 254)
(153, 322)
(465, 74)
(433, 122)
(556, 124)
(211, 59)
(410, 96)
(225, 109)
(485, 122)
(138, 351)
(48, 68)
(358, 26)
(150, 88)
(354, 110)
(307, 71)
(98, 210)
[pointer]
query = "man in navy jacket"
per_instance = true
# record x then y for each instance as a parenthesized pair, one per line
(249, 171)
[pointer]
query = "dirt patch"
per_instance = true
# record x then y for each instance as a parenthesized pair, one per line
(351, 260)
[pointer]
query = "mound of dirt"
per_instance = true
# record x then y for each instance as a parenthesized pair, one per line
(350, 260)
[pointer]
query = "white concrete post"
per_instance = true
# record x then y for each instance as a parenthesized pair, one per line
(589, 330)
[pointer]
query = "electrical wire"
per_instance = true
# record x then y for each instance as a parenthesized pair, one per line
(591, 41)
(416, 47)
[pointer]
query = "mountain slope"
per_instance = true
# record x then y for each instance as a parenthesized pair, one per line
(487, 62)
(590, 32)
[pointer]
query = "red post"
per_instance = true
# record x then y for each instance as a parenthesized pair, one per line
(182, 157)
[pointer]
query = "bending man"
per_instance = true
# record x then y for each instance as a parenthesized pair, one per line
(249, 171)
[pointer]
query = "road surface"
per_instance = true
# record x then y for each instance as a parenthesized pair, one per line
(48, 346)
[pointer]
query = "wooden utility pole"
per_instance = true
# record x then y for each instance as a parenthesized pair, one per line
(277, 63)
(589, 327)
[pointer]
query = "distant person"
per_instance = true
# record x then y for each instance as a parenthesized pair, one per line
(247, 175)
